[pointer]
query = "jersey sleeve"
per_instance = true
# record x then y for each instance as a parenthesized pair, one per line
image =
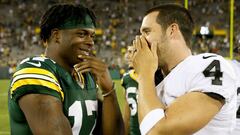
(124, 80)
(215, 76)
(129, 80)
(35, 77)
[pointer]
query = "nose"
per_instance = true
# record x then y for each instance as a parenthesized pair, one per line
(89, 40)
(90, 43)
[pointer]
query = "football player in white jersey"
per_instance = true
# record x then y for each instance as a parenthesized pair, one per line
(236, 66)
(198, 93)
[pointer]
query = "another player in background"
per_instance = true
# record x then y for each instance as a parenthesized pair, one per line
(130, 85)
(236, 65)
(56, 94)
(198, 93)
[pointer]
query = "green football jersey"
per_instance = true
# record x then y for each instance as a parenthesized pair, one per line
(42, 75)
(131, 86)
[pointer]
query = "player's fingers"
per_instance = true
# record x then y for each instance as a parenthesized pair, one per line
(134, 47)
(99, 65)
(93, 64)
(154, 48)
(134, 44)
(138, 43)
(74, 74)
(85, 68)
(85, 63)
(86, 57)
(91, 61)
(89, 64)
(80, 68)
(90, 70)
(144, 42)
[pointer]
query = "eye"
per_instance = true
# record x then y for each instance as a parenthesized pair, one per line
(93, 36)
(147, 32)
(82, 34)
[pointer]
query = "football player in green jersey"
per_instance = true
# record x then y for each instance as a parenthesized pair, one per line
(130, 85)
(56, 94)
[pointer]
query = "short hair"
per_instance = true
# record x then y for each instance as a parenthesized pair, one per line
(55, 16)
(174, 13)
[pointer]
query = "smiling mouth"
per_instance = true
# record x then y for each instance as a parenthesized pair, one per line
(85, 52)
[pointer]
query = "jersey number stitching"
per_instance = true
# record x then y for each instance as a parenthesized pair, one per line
(217, 74)
(75, 110)
(238, 110)
(131, 101)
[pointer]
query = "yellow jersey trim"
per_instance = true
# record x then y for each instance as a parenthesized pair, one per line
(35, 71)
(133, 75)
(40, 82)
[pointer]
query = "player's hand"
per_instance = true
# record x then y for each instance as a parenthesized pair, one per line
(145, 60)
(98, 68)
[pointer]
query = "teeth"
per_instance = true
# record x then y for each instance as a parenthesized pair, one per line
(86, 53)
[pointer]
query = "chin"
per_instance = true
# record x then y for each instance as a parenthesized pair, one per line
(76, 61)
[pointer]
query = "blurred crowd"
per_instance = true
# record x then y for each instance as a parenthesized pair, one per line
(118, 21)
(215, 14)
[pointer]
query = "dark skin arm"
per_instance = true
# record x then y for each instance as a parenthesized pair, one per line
(126, 116)
(44, 112)
(112, 122)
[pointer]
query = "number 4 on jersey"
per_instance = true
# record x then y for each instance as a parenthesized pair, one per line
(214, 70)
(238, 110)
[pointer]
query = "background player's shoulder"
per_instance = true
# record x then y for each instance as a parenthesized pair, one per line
(125, 78)
(128, 73)
(125, 74)
(129, 78)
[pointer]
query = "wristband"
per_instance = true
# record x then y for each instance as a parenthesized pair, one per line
(150, 120)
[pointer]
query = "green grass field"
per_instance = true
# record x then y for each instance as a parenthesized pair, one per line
(4, 119)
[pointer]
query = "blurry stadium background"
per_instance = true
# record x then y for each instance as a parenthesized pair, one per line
(217, 30)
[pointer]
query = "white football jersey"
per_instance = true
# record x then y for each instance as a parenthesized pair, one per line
(236, 66)
(204, 73)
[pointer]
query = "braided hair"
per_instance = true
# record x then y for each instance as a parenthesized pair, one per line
(58, 14)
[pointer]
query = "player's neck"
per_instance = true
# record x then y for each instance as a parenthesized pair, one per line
(174, 59)
(54, 56)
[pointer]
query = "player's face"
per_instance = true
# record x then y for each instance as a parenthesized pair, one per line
(129, 55)
(153, 32)
(77, 42)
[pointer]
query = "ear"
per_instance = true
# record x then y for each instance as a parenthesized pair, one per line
(55, 34)
(173, 30)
